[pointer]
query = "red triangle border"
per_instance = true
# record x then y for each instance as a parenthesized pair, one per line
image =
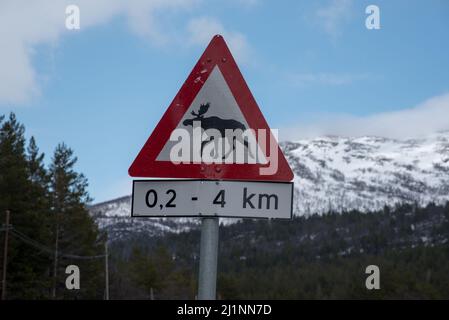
(145, 164)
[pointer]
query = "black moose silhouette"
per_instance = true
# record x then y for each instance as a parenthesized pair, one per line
(219, 124)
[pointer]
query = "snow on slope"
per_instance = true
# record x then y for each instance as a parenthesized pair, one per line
(115, 216)
(337, 173)
(367, 173)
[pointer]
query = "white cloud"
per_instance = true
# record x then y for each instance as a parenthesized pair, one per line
(428, 117)
(332, 17)
(25, 24)
(331, 79)
(201, 30)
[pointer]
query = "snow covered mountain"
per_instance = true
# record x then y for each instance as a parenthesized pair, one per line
(367, 173)
(331, 173)
(115, 217)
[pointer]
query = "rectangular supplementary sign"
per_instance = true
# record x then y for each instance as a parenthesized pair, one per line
(205, 198)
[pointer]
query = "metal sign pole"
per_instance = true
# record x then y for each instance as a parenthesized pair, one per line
(208, 259)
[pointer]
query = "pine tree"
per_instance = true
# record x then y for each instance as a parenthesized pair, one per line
(144, 272)
(41, 213)
(37, 172)
(27, 267)
(74, 231)
(13, 166)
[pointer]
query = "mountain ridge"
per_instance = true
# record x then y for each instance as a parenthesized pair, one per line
(332, 173)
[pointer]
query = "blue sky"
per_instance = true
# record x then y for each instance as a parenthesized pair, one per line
(313, 67)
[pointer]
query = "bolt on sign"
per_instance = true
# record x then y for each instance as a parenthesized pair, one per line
(216, 147)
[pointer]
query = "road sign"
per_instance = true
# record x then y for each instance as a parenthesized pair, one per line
(213, 129)
(206, 198)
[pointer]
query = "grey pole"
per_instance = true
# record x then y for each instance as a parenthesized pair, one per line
(5, 256)
(106, 271)
(208, 259)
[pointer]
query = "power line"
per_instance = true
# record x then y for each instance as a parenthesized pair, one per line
(24, 238)
(43, 248)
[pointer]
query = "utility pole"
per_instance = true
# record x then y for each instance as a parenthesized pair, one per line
(106, 265)
(55, 266)
(208, 259)
(5, 256)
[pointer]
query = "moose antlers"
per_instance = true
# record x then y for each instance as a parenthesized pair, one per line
(203, 109)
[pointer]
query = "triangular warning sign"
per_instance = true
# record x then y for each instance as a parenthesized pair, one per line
(213, 129)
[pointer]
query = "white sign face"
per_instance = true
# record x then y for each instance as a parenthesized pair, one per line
(220, 109)
(205, 198)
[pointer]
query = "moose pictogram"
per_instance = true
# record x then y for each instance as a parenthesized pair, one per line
(225, 126)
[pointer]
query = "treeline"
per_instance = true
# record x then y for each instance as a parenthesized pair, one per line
(49, 226)
(319, 257)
